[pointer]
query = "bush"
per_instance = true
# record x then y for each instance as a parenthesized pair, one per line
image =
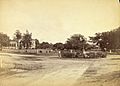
(95, 54)
(68, 54)
(88, 54)
(74, 54)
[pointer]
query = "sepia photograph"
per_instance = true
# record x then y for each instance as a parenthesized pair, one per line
(59, 42)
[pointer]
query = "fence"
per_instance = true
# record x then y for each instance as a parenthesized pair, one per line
(32, 51)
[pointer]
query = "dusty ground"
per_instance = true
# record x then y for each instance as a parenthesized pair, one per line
(31, 70)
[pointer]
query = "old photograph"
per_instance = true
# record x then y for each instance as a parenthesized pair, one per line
(59, 42)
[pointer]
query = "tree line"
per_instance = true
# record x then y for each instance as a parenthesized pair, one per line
(109, 40)
(106, 40)
(4, 40)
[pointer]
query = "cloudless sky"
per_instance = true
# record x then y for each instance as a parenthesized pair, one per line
(56, 20)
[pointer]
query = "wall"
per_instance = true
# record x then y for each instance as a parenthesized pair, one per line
(31, 51)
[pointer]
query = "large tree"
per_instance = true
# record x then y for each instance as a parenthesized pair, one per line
(18, 36)
(77, 41)
(45, 45)
(109, 40)
(26, 40)
(59, 46)
(4, 40)
(100, 39)
(37, 43)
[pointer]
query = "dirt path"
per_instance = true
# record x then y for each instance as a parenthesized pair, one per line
(31, 70)
(105, 73)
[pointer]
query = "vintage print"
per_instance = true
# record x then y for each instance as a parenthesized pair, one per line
(59, 42)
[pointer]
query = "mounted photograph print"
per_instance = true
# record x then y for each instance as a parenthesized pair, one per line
(59, 42)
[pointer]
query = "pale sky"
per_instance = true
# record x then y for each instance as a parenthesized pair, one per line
(56, 20)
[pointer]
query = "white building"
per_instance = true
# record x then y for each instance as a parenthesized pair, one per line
(13, 44)
(33, 44)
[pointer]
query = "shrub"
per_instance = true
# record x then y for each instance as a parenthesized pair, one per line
(68, 54)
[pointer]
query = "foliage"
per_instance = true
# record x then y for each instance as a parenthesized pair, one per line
(59, 46)
(45, 45)
(4, 39)
(114, 39)
(77, 41)
(108, 40)
(95, 54)
(37, 43)
(18, 35)
(67, 54)
(27, 37)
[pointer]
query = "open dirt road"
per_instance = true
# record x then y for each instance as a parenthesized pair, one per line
(32, 70)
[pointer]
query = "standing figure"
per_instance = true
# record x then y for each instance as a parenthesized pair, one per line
(59, 54)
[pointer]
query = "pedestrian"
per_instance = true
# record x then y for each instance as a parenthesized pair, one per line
(59, 54)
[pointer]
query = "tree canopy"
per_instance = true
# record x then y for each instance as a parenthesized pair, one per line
(18, 35)
(4, 39)
(108, 40)
(45, 45)
(76, 41)
(59, 46)
(27, 37)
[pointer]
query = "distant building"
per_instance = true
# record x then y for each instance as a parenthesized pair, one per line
(13, 44)
(19, 45)
(33, 44)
